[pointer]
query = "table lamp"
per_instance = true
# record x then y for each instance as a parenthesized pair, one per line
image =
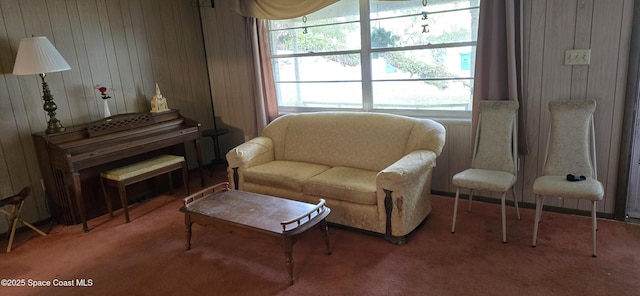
(36, 55)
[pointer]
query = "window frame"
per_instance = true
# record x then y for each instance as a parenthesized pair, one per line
(365, 53)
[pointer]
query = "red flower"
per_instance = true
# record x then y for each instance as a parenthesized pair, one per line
(102, 91)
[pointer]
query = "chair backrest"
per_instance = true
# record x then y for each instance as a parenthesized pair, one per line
(17, 198)
(495, 145)
(571, 143)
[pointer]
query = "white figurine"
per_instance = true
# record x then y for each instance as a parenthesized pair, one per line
(159, 103)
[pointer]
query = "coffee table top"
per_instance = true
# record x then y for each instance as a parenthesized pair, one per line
(269, 213)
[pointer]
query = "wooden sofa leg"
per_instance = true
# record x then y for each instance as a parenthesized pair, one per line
(388, 207)
(236, 178)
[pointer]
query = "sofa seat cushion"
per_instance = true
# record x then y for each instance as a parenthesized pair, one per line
(283, 174)
(343, 183)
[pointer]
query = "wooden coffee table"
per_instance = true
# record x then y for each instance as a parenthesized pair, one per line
(255, 215)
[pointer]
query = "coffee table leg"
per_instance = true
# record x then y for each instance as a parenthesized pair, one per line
(325, 234)
(288, 253)
(187, 228)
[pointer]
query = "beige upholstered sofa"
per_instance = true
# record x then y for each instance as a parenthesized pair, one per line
(373, 169)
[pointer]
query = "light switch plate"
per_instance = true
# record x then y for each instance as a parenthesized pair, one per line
(577, 57)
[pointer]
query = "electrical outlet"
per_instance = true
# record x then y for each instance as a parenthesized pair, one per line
(577, 57)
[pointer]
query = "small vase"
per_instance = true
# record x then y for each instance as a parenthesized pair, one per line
(107, 113)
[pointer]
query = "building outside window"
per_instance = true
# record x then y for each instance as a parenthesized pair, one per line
(407, 57)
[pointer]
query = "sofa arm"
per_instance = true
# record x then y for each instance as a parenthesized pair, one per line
(404, 172)
(403, 193)
(253, 152)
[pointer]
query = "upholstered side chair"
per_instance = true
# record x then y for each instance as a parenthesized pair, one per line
(569, 169)
(495, 157)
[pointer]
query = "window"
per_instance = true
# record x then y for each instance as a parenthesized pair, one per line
(408, 57)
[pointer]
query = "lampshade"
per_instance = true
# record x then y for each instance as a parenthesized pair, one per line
(36, 55)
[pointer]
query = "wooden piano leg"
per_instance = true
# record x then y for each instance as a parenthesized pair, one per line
(77, 191)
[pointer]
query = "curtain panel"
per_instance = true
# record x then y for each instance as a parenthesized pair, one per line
(278, 9)
(498, 72)
(265, 101)
(256, 12)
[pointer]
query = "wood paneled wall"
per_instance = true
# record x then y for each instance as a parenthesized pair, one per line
(128, 45)
(231, 73)
(125, 45)
(550, 28)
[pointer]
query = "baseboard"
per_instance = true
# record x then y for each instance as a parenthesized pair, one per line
(526, 205)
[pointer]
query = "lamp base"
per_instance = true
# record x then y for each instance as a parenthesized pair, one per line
(54, 125)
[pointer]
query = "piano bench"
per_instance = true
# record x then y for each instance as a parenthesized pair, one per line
(133, 173)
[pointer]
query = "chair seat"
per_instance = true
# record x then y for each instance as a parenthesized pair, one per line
(480, 179)
(558, 186)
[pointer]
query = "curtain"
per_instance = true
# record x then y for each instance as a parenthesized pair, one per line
(265, 100)
(256, 12)
(498, 72)
(278, 9)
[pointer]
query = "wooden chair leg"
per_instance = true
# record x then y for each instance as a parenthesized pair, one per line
(107, 200)
(122, 191)
(13, 219)
(18, 213)
(40, 232)
(14, 224)
(470, 199)
(170, 182)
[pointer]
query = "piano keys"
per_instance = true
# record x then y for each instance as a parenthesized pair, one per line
(71, 161)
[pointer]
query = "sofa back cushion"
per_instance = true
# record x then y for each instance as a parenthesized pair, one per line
(370, 141)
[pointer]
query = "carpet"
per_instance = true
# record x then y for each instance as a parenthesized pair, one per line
(148, 257)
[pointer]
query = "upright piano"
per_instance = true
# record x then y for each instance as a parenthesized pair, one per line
(71, 161)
